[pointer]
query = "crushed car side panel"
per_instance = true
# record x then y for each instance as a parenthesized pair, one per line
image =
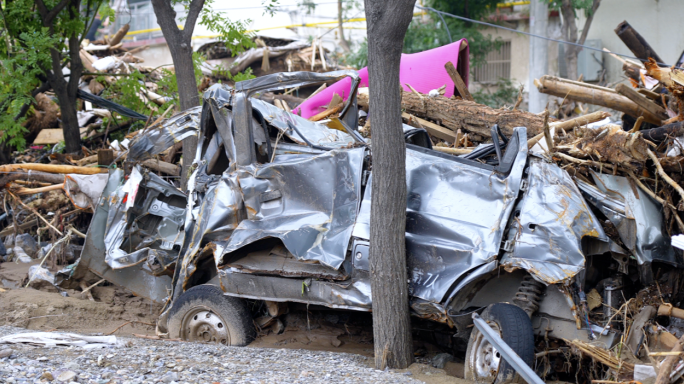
(545, 237)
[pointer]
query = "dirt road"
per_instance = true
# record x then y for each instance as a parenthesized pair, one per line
(312, 337)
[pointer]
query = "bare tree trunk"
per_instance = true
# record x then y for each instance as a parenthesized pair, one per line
(179, 42)
(65, 90)
(569, 30)
(391, 322)
(343, 42)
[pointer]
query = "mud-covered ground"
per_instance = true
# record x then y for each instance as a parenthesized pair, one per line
(291, 356)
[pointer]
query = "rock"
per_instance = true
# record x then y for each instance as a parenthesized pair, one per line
(3, 250)
(100, 361)
(72, 366)
(20, 255)
(170, 377)
(28, 244)
(6, 352)
(440, 360)
(66, 376)
(47, 376)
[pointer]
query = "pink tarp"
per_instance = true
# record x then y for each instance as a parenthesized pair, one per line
(423, 70)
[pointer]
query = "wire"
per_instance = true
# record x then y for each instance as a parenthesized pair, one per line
(440, 13)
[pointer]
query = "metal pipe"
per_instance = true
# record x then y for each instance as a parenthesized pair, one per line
(511, 357)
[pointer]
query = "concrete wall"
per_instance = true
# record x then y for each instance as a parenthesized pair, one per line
(658, 21)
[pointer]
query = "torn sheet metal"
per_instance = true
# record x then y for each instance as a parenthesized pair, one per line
(139, 280)
(144, 226)
(309, 202)
(163, 135)
(651, 241)
(457, 211)
(316, 133)
(545, 236)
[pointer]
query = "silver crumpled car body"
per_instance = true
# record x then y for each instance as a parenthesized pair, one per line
(278, 209)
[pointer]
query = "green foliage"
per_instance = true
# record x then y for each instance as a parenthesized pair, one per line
(583, 5)
(25, 56)
(357, 58)
(233, 34)
(505, 93)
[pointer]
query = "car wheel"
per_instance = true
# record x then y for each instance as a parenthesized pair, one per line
(204, 314)
(484, 364)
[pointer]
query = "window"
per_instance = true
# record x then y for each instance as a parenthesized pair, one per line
(498, 65)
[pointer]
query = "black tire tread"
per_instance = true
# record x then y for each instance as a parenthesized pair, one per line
(516, 331)
(233, 310)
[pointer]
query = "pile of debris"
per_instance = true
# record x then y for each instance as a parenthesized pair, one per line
(628, 174)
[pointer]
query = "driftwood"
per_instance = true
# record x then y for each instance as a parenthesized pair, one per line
(51, 168)
(20, 174)
(645, 103)
(458, 82)
(667, 365)
(590, 94)
(465, 115)
(580, 121)
(633, 40)
(661, 134)
(162, 166)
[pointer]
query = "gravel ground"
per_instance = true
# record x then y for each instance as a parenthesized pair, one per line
(153, 361)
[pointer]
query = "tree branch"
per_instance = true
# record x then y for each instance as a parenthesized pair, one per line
(193, 13)
(48, 16)
(166, 17)
(587, 23)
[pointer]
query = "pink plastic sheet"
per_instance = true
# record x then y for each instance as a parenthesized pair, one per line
(423, 70)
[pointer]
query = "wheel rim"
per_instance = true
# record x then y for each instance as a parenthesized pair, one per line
(204, 325)
(485, 360)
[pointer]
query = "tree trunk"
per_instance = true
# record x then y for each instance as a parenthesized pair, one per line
(587, 93)
(569, 31)
(65, 90)
(391, 322)
(179, 42)
(468, 116)
(343, 42)
(570, 34)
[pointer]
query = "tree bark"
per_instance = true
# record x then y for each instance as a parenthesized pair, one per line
(635, 42)
(589, 94)
(569, 31)
(468, 116)
(180, 45)
(343, 42)
(391, 321)
(65, 90)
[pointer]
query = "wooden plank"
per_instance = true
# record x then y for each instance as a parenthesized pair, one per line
(458, 82)
(162, 166)
(22, 227)
(642, 101)
(53, 136)
(432, 128)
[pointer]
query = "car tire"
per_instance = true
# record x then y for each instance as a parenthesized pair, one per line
(204, 314)
(483, 363)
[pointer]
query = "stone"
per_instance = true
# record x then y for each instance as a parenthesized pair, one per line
(20, 255)
(6, 352)
(28, 244)
(170, 377)
(66, 376)
(440, 360)
(47, 376)
(3, 250)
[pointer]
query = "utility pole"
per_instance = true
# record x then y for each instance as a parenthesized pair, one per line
(539, 53)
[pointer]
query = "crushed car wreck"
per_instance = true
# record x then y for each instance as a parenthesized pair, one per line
(278, 210)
